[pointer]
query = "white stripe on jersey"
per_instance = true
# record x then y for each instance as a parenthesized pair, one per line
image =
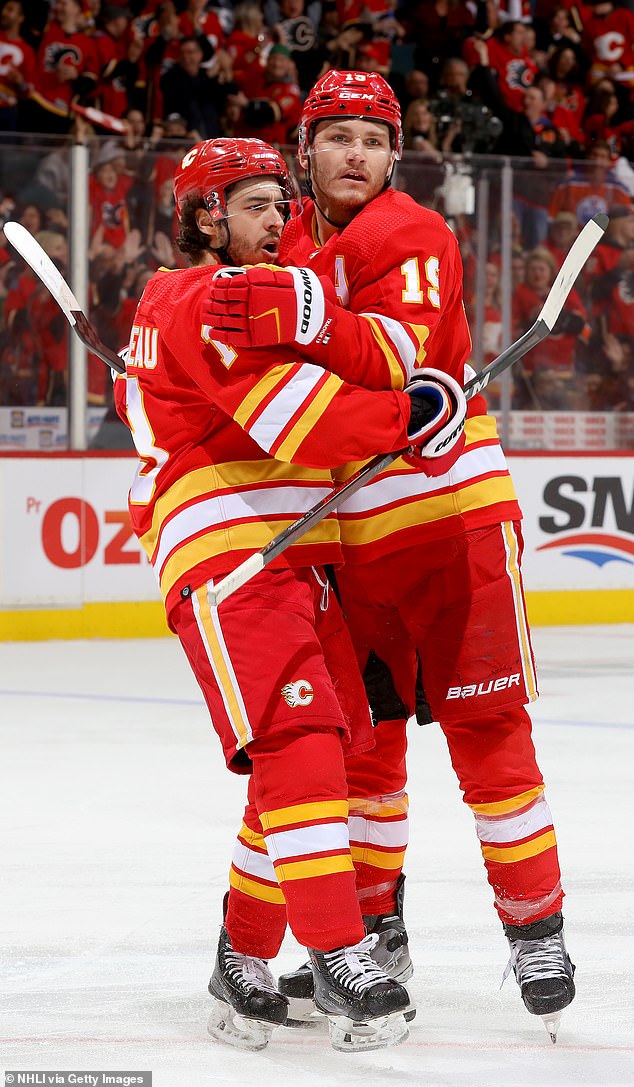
(213, 513)
(512, 828)
(285, 404)
(393, 834)
(302, 841)
(393, 486)
(252, 863)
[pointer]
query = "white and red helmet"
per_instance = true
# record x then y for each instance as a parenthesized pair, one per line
(209, 169)
(364, 95)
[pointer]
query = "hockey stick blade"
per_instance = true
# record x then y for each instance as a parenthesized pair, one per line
(39, 261)
(575, 259)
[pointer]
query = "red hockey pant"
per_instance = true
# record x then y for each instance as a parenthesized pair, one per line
(460, 604)
(270, 662)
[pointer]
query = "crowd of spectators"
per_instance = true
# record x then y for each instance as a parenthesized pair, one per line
(549, 84)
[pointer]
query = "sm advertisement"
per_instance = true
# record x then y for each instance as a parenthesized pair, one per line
(67, 549)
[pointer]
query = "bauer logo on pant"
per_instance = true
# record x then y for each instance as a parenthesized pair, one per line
(299, 693)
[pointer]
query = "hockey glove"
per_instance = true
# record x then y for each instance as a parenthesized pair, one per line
(266, 306)
(436, 427)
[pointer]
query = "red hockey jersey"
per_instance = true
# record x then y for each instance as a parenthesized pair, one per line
(397, 269)
(234, 447)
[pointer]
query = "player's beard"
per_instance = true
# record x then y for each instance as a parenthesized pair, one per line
(341, 207)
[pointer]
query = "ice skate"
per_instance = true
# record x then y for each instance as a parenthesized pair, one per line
(542, 968)
(363, 1005)
(246, 1003)
(390, 953)
(298, 987)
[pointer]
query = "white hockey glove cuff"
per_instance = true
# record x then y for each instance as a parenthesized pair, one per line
(438, 414)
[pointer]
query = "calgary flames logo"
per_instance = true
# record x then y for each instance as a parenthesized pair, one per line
(61, 54)
(518, 75)
(299, 693)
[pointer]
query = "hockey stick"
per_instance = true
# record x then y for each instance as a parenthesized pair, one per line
(577, 256)
(31, 250)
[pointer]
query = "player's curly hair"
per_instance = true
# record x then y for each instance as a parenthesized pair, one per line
(190, 238)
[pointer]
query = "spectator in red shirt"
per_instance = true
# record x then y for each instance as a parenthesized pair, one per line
(17, 64)
(119, 50)
(558, 351)
(273, 114)
(248, 46)
(38, 341)
(510, 59)
(107, 193)
(608, 39)
(67, 67)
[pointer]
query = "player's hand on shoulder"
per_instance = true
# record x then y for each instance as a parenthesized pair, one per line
(266, 306)
(436, 427)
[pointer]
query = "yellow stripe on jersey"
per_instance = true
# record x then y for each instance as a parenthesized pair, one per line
(355, 532)
(214, 646)
(509, 855)
(377, 857)
(480, 428)
(308, 418)
(311, 867)
(397, 368)
(253, 889)
(512, 566)
(514, 803)
(313, 812)
(223, 541)
(252, 838)
(216, 478)
(421, 332)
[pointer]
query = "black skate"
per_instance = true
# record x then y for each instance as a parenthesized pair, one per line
(247, 1004)
(390, 953)
(542, 968)
(364, 1006)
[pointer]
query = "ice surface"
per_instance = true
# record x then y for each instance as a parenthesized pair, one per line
(117, 827)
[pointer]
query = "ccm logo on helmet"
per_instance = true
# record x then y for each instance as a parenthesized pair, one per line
(307, 301)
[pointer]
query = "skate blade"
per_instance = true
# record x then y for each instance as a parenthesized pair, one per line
(552, 1022)
(230, 1028)
(304, 1015)
(347, 1036)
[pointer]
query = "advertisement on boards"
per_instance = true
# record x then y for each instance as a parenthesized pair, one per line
(67, 538)
(578, 521)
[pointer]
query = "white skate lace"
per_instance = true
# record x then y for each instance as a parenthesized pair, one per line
(533, 960)
(249, 973)
(353, 968)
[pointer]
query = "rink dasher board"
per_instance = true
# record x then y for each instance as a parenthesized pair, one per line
(71, 567)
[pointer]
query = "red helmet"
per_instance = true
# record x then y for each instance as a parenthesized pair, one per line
(365, 95)
(210, 168)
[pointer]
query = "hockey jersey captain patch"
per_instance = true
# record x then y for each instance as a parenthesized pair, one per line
(299, 693)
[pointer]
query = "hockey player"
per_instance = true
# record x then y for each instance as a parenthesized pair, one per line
(432, 564)
(228, 455)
